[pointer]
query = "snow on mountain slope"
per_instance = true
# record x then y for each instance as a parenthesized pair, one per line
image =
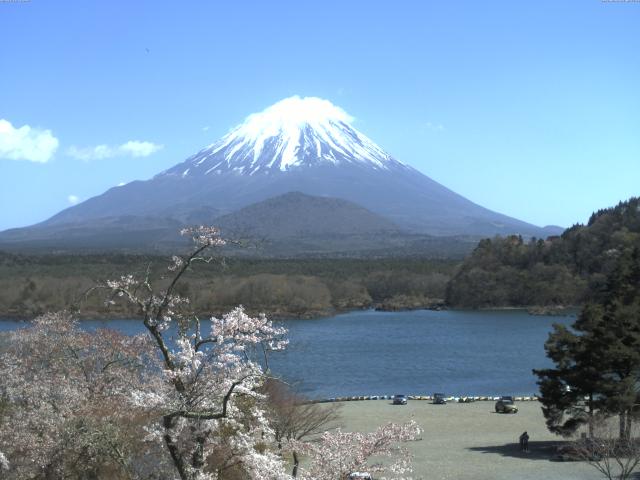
(295, 132)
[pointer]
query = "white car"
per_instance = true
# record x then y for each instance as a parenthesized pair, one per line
(360, 476)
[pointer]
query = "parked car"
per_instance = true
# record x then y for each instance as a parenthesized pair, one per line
(506, 405)
(360, 476)
(399, 399)
(439, 399)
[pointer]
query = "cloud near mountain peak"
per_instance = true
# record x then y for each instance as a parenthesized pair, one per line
(132, 148)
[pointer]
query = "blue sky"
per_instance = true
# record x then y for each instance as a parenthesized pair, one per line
(531, 109)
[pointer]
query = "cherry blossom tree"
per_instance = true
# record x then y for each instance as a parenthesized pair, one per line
(294, 418)
(66, 409)
(186, 398)
(213, 418)
(338, 453)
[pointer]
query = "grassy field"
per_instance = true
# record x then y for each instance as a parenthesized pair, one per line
(472, 442)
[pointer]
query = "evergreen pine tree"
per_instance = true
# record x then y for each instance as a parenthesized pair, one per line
(597, 361)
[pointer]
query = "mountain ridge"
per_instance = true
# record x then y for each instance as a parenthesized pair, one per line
(295, 214)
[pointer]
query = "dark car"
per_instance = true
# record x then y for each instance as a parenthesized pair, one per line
(399, 399)
(439, 399)
(506, 405)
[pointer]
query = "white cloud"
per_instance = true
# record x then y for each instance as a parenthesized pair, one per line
(132, 148)
(139, 149)
(26, 143)
(438, 127)
(73, 199)
(90, 153)
(205, 129)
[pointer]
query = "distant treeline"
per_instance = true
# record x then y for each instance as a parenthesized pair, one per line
(32, 284)
(561, 270)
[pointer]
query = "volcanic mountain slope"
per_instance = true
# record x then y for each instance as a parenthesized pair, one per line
(296, 224)
(299, 144)
(296, 215)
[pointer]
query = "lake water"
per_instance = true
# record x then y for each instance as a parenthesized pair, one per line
(415, 352)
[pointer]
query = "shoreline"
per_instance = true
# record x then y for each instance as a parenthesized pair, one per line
(465, 399)
(279, 316)
(276, 315)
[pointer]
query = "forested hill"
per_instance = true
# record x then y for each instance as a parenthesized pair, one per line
(503, 272)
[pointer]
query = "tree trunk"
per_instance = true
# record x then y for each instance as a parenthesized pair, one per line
(197, 459)
(296, 462)
(623, 424)
(183, 469)
(591, 415)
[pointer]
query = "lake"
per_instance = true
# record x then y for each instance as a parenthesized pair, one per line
(415, 352)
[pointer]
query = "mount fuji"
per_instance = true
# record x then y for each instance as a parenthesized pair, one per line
(304, 145)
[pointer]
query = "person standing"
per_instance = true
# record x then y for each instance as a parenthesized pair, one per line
(524, 442)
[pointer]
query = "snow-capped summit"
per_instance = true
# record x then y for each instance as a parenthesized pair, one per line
(292, 133)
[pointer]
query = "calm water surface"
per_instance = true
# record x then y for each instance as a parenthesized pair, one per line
(417, 352)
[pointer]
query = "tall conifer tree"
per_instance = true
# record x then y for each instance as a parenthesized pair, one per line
(597, 361)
